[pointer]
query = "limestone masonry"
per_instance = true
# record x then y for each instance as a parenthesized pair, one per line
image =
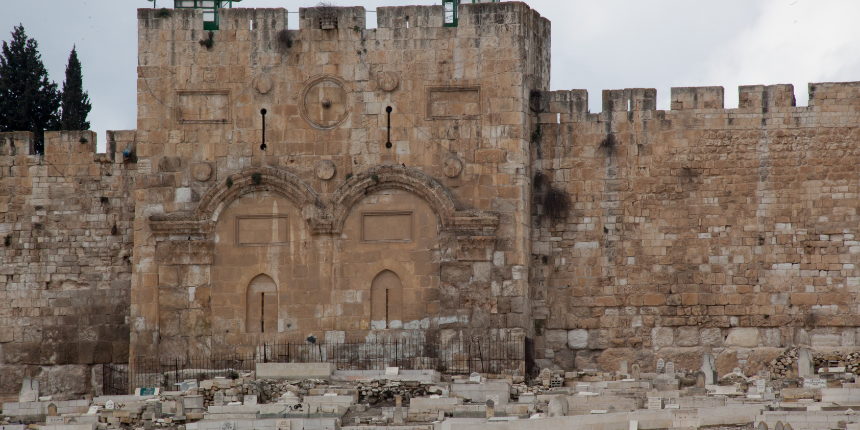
(420, 182)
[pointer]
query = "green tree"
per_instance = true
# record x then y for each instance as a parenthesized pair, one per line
(28, 100)
(75, 101)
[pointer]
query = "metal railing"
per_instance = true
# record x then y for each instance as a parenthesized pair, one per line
(460, 356)
(115, 379)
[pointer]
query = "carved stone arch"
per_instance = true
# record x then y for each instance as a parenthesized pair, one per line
(254, 179)
(387, 177)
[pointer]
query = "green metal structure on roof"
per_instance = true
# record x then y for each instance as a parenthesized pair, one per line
(209, 7)
(450, 6)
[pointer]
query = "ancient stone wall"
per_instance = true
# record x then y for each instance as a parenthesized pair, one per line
(390, 193)
(66, 234)
(420, 182)
(699, 229)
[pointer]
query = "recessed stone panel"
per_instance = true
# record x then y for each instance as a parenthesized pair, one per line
(195, 107)
(262, 230)
(386, 227)
(453, 102)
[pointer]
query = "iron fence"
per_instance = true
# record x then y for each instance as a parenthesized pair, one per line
(458, 356)
(115, 379)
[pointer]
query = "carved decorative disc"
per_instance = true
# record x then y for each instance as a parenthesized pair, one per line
(387, 81)
(324, 103)
(326, 170)
(452, 167)
(263, 83)
(202, 172)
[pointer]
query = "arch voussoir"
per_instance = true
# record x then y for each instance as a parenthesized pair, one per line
(391, 177)
(254, 179)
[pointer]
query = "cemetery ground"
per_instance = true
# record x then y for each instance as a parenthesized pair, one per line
(798, 390)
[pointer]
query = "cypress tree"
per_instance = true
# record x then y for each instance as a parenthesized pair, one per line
(28, 100)
(75, 101)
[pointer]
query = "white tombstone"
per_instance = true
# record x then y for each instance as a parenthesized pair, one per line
(737, 371)
(219, 398)
(670, 368)
(655, 403)
(55, 421)
(761, 425)
(179, 414)
(94, 409)
(623, 368)
(392, 371)
(228, 425)
(814, 383)
(558, 406)
(398, 419)
(250, 399)
(546, 376)
(709, 368)
(661, 364)
(110, 405)
(634, 425)
(805, 363)
(760, 385)
(29, 390)
(475, 377)
(282, 425)
(634, 371)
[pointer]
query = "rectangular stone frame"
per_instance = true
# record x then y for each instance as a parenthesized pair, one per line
(456, 88)
(227, 119)
(389, 213)
(239, 218)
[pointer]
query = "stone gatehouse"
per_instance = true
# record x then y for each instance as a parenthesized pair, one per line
(420, 181)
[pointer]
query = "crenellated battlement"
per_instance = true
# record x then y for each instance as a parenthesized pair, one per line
(764, 100)
(338, 17)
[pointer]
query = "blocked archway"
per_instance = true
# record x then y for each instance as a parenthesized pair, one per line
(261, 305)
(386, 301)
(388, 177)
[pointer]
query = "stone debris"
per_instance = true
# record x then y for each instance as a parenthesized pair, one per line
(679, 398)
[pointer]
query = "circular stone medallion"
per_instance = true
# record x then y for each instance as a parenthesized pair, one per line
(324, 102)
(387, 81)
(263, 83)
(326, 170)
(202, 171)
(452, 167)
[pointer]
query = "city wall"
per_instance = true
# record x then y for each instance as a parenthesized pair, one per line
(482, 204)
(66, 235)
(698, 229)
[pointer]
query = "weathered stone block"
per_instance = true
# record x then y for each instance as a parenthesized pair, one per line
(743, 337)
(577, 339)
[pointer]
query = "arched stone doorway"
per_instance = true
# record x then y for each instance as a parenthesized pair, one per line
(386, 301)
(261, 315)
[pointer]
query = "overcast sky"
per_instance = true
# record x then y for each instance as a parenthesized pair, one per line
(596, 45)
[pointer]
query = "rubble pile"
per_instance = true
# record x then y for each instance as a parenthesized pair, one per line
(781, 365)
(384, 393)
(267, 391)
(822, 391)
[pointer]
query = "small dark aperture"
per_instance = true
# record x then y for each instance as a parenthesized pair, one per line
(389, 109)
(263, 112)
(388, 145)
